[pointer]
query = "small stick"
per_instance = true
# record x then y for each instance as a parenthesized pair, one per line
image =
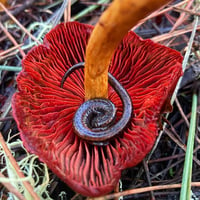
(159, 12)
(19, 24)
(146, 169)
(9, 50)
(181, 112)
(67, 12)
(182, 17)
(3, 119)
(145, 189)
(8, 55)
(191, 12)
(12, 189)
(181, 145)
(16, 11)
(113, 25)
(17, 169)
(12, 39)
(166, 36)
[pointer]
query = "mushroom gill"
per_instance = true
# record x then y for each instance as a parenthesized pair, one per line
(44, 111)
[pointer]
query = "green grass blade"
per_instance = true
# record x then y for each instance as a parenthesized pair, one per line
(89, 9)
(186, 58)
(187, 171)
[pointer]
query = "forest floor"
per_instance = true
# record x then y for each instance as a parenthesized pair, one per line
(23, 25)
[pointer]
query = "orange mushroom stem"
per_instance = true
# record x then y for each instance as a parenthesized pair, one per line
(113, 25)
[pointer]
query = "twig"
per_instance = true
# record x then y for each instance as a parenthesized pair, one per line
(166, 36)
(3, 38)
(3, 119)
(186, 57)
(15, 12)
(158, 12)
(187, 11)
(10, 50)
(11, 188)
(17, 169)
(166, 158)
(182, 17)
(75, 196)
(146, 169)
(12, 39)
(181, 120)
(180, 145)
(166, 169)
(67, 12)
(145, 189)
(181, 112)
(8, 55)
(94, 3)
(19, 24)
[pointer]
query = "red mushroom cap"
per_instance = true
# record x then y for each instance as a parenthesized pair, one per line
(44, 111)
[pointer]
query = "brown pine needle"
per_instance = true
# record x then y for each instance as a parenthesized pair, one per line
(12, 39)
(67, 12)
(19, 24)
(11, 188)
(10, 49)
(17, 169)
(159, 12)
(142, 190)
(186, 11)
(166, 36)
(181, 112)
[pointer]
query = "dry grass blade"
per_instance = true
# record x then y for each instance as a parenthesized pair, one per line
(181, 17)
(159, 12)
(67, 12)
(17, 169)
(10, 50)
(174, 34)
(142, 190)
(182, 113)
(12, 39)
(12, 189)
(186, 57)
(187, 11)
(19, 24)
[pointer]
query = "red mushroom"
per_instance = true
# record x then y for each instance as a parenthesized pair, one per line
(48, 109)
(44, 111)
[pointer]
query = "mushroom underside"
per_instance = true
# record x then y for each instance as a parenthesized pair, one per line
(44, 111)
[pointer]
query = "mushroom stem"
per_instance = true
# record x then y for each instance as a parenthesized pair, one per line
(113, 25)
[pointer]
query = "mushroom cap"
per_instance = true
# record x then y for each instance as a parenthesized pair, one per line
(44, 111)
